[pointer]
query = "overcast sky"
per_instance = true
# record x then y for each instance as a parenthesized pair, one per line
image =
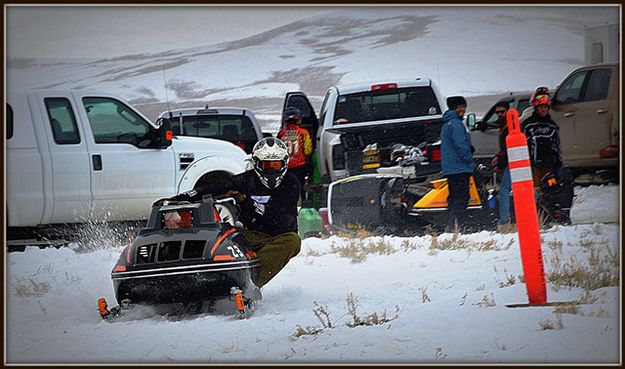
(100, 31)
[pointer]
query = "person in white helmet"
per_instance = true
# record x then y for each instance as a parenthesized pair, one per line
(268, 207)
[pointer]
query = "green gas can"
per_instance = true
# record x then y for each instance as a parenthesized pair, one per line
(309, 223)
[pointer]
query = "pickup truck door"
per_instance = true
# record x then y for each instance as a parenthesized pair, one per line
(564, 113)
(127, 176)
(593, 117)
(68, 159)
(309, 119)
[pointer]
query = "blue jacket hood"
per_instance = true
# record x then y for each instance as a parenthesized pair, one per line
(449, 115)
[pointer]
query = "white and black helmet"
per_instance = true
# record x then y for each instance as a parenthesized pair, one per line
(271, 159)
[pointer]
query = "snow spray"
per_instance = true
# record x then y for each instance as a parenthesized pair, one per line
(525, 210)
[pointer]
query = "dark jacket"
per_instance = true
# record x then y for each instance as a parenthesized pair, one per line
(269, 211)
(502, 155)
(543, 141)
(456, 155)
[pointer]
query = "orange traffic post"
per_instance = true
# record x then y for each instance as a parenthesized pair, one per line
(525, 210)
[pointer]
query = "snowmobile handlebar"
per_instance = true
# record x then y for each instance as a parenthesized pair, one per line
(168, 201)
(235, 195)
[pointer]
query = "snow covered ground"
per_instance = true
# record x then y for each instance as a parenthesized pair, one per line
(445, 302)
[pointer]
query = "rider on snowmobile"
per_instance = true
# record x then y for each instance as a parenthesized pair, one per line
(269, 206)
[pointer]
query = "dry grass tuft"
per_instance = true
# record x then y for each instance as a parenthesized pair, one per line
(313, 253)
(440, 353)
(456, 243)
(601, 269)
(547, 324)
(463, 299)
(595, 230)
(357, 250)
(486, 302)
(509, 279)
(408, 246)
(507, 228)
(321, 312)
(359, 233)
(307, 331)
(367, 319)
(31, 288)
(424, 295)
(555, 245)
(567, 309)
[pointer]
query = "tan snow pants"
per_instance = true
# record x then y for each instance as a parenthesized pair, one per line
(274, 252)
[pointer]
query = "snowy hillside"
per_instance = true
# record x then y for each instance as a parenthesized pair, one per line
(466, 50)
(435, 299)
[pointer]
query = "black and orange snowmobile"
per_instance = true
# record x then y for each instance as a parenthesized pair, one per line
(186, 254)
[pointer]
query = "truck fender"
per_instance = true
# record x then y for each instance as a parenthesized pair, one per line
(219, 165)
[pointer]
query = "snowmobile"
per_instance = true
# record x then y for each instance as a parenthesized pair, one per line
(186, 254)
(397, 201)
(431, 208)
(390, 203)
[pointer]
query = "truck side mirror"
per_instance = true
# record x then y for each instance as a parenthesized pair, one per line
(164, 135)
(471, 122)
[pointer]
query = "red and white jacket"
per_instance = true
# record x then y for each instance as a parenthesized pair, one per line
(297, 140)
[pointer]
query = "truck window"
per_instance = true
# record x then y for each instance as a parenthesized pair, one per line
(113, 122)
(386, 104)
(62, 121)
(598, 84)
(571, 89)
(228, 127)
(301, 103)
(523, 104)
(9, 121)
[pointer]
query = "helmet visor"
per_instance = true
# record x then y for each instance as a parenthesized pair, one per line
(541, 100)
(292, 118)
(272, 164)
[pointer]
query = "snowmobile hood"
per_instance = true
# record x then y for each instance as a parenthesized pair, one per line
(184, 253)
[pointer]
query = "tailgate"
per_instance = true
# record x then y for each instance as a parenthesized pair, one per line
(411, 133)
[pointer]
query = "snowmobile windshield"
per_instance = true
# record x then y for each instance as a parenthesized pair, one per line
(391, 103)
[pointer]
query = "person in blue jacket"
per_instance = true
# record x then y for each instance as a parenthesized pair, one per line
(456, 162)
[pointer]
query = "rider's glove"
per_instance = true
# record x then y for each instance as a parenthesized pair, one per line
(185, 196)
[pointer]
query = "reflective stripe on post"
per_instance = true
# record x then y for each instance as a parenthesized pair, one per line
(525, 210)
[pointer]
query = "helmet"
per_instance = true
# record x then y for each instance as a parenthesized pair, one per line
(292, 115)
(271, 158)
(541, 97)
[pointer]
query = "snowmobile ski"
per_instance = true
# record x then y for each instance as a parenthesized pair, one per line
(106, 313)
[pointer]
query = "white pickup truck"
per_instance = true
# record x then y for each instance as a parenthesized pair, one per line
(352, 117)
(78, 156)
